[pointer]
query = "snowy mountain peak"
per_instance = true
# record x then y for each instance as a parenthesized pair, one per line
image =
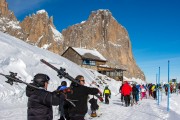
(41, 31)
(42, 12)
(105, 12)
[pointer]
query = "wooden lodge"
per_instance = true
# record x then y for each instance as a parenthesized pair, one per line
(115, 73)
(92, 59)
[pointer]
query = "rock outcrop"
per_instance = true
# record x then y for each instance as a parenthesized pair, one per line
(40, 31)
(8, 22)
(37, 29)
(102, 32)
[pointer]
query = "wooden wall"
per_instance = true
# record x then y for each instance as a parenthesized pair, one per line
(71, 55)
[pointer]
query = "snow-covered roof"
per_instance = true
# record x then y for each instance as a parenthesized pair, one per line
(91, 54)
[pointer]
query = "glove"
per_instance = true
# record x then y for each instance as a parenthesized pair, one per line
(67, 90)
(109, 96)
(101, 99)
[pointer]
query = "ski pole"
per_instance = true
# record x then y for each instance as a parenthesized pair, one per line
(117, 94)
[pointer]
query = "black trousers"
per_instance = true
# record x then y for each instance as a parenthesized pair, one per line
(107, 98)
(122, 97)
(127, 100)
(135, 97)
(154, 95)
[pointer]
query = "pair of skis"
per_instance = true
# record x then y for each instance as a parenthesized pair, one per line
(61, 73)
(13, 78)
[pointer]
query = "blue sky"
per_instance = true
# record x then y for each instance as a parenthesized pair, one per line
(153, 26)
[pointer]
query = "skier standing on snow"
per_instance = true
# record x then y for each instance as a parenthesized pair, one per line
(153, 89)
(143, 91)
(120, 91)
(126, 91)
(80, 96)
(63, 107)
(40, 100)
(138, 87)
(135, 92)
(107, 93)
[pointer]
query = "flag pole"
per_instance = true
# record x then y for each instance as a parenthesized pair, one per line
(158, 85)
(168, 88)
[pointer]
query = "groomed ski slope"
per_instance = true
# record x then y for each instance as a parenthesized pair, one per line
(20, 57)
(147, 109)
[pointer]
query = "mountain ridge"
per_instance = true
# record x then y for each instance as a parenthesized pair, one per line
(101, 31)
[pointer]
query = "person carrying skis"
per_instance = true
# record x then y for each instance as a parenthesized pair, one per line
(63, 107)
(80, 96)
(107, 93)
(126, 91)
(40, 101)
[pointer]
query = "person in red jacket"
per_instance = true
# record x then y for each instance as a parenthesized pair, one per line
(126, 91)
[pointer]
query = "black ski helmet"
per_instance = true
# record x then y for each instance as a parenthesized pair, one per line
(40, 79)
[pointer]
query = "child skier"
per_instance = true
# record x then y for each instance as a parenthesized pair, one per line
(94, 106)
(107, 94)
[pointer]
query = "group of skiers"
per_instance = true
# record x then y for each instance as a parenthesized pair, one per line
(174, 87)
(130, 93)
(72, 100)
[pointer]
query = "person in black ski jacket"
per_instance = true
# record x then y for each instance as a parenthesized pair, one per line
(40, 100)
(135, 92)
(79, 97)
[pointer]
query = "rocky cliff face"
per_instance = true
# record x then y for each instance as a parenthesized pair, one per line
(8, 22)
(40, 31)
(102, 32)
(37, 29)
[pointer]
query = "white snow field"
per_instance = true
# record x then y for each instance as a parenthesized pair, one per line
(24, 59)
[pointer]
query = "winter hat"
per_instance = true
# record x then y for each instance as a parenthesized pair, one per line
(63, 83)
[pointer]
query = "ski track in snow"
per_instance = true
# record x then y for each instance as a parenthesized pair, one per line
(147, 109)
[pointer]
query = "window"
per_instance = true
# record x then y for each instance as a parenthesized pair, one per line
(89, 62)
(92, 63)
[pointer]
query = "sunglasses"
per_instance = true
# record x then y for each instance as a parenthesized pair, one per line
(82, 80)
